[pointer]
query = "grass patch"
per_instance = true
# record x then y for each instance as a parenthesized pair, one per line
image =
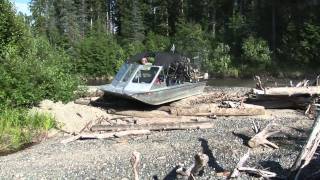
(18, 128)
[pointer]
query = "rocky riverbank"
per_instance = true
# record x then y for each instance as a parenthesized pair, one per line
(161, 152)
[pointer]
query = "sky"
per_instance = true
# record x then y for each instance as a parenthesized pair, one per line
(22, 6)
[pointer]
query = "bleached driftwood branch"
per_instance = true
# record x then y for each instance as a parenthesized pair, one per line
(261, 137)
(240, 164)
(105, 135)
(259, 83)
(201, 161)
(258, 172)
(156, 126)
(240, 168)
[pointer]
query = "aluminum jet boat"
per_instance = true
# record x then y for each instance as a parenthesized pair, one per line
(156, 78)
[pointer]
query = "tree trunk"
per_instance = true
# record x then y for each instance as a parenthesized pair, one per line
(274, 26)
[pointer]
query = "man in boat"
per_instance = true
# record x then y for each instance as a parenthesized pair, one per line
(144, 61)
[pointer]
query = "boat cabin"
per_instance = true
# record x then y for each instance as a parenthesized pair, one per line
(133, 78)
(154, 78)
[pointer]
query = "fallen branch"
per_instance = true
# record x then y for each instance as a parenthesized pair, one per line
(258, 172)
(201, 161)
(259, 83)
(261, 137)
(86, 127)
(240, 164)
(310, 105)
(135, 163)
(303, 83)
(240, 167)
(308, 150)
(155, 126)
(105, 135)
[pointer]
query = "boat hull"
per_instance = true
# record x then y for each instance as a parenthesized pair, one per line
(164, 95)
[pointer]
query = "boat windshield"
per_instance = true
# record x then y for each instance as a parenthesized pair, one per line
(145, 75)
(125, 72)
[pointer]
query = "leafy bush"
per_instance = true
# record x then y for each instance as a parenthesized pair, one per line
(256, 53)
(18, 128)
(98, 55)
(219, 61)
(43, 73)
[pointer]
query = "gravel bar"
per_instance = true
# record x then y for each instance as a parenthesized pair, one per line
(161, 152)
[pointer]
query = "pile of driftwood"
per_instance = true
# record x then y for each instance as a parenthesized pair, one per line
(207, 104)
(120, 126)
(299, 96)
(306, 155)
(259, 139)
(189, 113)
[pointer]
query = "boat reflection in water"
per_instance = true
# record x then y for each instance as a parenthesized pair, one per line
(168, 78)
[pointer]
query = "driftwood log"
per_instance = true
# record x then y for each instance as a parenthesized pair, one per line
(280, 102)
(308, 150)
(289, 91)
(208, 98)
(198, 110)
(155, 126)
(215, 109)
(260, 139)
(105, 135)
(201, 161)
(144, 114)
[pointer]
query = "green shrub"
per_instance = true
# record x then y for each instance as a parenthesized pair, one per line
(18, 128)
(220, 60)
(44, 73)
(256, 53)
(30, 68)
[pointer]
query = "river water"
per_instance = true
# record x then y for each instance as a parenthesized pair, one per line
(223, 82)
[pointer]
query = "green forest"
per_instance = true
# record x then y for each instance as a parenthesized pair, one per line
(49, 53)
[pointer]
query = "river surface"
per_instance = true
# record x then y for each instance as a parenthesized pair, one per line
(223, 82)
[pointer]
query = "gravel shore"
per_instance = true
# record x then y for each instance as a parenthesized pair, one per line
(162, 151)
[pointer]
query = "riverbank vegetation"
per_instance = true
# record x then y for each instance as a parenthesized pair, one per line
(47, 54)
(18, 128)
(31, 70)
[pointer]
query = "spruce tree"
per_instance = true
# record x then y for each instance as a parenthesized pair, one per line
(131, 21)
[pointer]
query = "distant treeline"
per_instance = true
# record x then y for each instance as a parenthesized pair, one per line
(230, 37)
